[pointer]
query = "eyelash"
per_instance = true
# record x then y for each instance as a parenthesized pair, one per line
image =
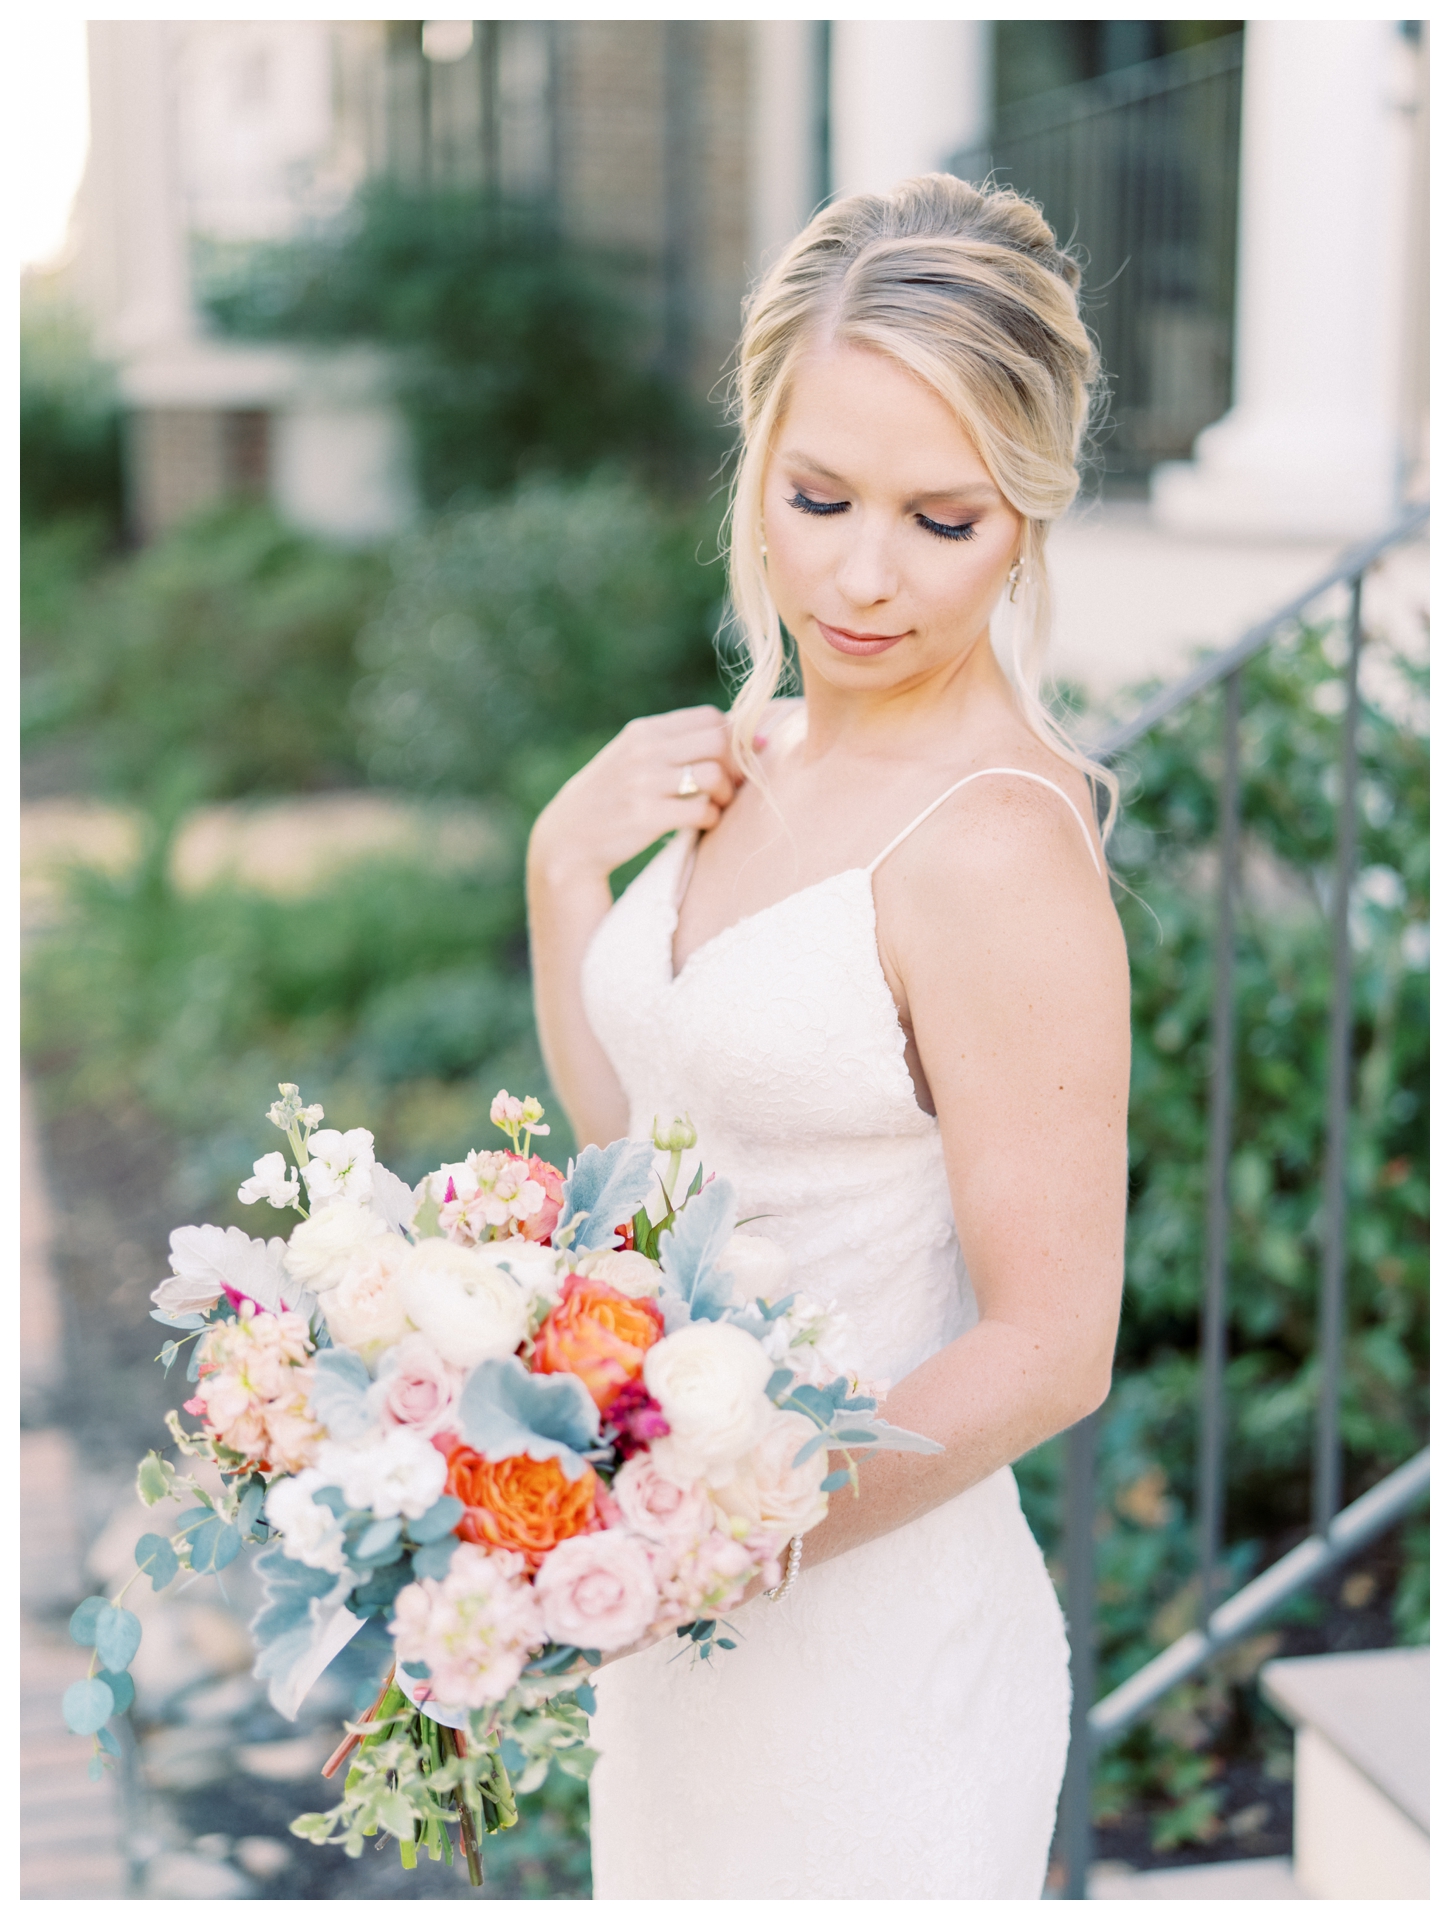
(826, 507)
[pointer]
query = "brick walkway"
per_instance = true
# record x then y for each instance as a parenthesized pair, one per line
(70, 1830)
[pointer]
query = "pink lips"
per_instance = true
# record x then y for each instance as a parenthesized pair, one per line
(857, 643)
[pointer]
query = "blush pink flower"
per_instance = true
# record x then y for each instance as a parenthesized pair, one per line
(660, 1509)
(254, 1377)
(597, 1590)
(475, 1629)
(416, 1387)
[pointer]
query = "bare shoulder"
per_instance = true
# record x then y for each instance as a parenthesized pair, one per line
(1031, 818)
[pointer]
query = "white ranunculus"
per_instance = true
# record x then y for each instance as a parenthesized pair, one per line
(464, 1299)
(538, 1269)
(364, 1310)
(758, 1268)
(205, 1259)
(624, 1270)
(320, 1248)
(310, 1532)
(710, 1382)
(768, 1490)
(340, 1165)
(272, 1180)
(398, 1472)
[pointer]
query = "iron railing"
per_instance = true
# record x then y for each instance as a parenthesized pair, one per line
(1336, 1534)
(1138, 171)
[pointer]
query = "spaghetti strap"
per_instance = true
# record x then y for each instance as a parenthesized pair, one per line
(1019, 773)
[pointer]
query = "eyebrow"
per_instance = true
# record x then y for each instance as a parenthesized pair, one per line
(971, 492)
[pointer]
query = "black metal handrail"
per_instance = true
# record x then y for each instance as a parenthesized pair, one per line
(1335, 1534)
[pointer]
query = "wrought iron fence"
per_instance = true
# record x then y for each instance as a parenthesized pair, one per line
(1336, 1532)
(1139, 171)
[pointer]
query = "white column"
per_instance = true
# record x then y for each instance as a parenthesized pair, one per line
(785, 133)
(1310, 447)
(905, 96)
(132, 266)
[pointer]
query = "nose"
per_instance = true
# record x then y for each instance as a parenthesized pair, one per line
(867, 575)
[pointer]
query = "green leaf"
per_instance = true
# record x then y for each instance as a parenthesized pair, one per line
(432, 1562)
(156, 1556)
(395, 1815)
(833, 1481)
(83, 1621)
(154, 1478)
(778, 1382)
(123, 1687)
(250, 1506)
(87, 1705)
(109, 1741)
(214, 1545)
(376, 1540)
(587, 1698)
(168, 1353)
(854, 1436)
(440, 1519)
(95, 1767)
(118, 1634)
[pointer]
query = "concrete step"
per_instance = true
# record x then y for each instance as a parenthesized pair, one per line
(1225, 1880)
(1361, 1771)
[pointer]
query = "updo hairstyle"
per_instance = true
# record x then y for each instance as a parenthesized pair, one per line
(967, 289)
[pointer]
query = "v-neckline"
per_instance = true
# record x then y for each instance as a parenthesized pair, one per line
(680, 886)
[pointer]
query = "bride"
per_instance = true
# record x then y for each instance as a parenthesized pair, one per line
(877, 962)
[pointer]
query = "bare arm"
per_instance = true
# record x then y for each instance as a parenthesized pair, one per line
(623, 801)
(1012, 962)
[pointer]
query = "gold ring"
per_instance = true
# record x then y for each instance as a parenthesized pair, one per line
(687, 789)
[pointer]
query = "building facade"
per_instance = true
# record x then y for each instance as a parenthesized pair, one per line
(1266, 338)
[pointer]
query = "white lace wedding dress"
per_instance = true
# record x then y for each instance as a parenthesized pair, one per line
(896, 1728)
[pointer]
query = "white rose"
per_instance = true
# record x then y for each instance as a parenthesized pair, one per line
(769, 1491)
(710, 1382)
(340, 1165)
(467, 1303)
(320, 1248)
(625, 1271)
(401, 1473)
(310, 1532)
(363, 1310)
(758, 1268)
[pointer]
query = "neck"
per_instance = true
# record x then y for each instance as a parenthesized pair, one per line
(911, 719)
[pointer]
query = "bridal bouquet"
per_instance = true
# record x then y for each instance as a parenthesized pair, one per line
(527, 1417)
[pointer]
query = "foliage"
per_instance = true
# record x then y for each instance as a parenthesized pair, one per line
(219, 660)
(519, 636)
(70, 425)
(514, 350)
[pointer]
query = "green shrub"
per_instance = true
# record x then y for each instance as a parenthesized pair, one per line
(220, 658)
(519, 636)
(70, 425)
(513, 348)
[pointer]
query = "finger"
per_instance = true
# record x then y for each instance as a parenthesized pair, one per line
(709, 776)
(700, 810)
(703, 743)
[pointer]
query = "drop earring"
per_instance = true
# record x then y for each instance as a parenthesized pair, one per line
(1014, 580)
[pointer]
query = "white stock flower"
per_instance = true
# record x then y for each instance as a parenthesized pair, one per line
(273, 1181)
(320, 1248)
(363, 1310)
(768, 1491)
(537, 1268)
(802, 1339)
(464, 1299)
(758, 1268)
(710, 1382)
(340, 1165)
(624, 1270)
(310, 1532)
(397, 1473)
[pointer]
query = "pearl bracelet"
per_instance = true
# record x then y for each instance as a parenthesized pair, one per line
(792, 1568)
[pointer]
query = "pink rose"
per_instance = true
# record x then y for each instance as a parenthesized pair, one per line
(416, 1386)
(597, 1590)
(659, 1509)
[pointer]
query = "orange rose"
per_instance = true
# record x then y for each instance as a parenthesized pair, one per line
(598, 1334)
(526, 1505)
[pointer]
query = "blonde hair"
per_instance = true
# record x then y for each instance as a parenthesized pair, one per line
(967, 289)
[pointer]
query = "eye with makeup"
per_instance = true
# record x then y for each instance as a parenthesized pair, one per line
(804, 504)
(942, 530)
(945, 531)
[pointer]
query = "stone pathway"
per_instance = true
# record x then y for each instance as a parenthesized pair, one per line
(70, 1826)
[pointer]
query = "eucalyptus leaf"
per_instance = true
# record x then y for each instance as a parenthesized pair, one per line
(432, 1562)
(376, 1540)
(83, 1621)
(440, 1519)
(187, 1322)
(778, 1382)
(834, 1481)
(154, 1479)
(587, 1697)
(123, 1688)
(118, 1634)
(250, 1506)
(87, 1705)
(214, 1545)
(109, 1741)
